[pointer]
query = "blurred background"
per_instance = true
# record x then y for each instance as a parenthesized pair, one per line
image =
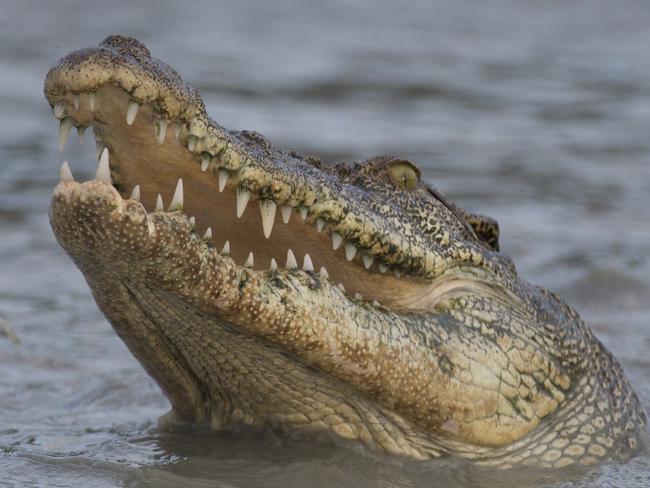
(535, 113)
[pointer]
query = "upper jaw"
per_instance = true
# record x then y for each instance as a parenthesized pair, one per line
(125, 62)
(146, 115)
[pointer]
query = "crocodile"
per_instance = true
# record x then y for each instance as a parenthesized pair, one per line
(377, 313)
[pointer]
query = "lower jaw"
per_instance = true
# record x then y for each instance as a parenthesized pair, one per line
(252, 383)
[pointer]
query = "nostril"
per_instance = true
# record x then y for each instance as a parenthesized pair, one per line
(127, 44)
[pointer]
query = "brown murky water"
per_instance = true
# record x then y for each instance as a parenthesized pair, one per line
(537, 113)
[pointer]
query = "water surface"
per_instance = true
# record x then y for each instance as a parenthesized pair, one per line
(536, 113)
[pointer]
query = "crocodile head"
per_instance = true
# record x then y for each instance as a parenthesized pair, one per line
(258, 286)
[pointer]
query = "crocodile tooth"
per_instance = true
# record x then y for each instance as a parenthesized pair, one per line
(367, 260)
(64, 172)
(320, 223)
(92, 97)
(75, 101)
(286, 213)
(226, 248)
(160, 129)
(375, 303)
(177, 199)
(132, 111)
(208, 237)
(205, 162)
(249, 260)
(267, 209)
(307, 265)
(192, 221)
(81, 130)
(274, 265)
(341, 287)
(65, 126)
(336, 240)
(135, 193)
(303, 212)
(191, 142)
(291, 260)
(159, 204)
(358, 296)
(397, 273)
(382, 267)
(58, 110)
(97, 135)
(177, 130)
(99, 147)
(350, 251)
(243, 195)
(103, 168)
(324, 273)
(224, 176)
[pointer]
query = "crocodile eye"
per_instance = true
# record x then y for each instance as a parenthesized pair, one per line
(404, 174)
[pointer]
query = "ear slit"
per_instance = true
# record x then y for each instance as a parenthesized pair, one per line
(485, 228)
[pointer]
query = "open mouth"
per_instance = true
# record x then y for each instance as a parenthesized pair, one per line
(164, 152)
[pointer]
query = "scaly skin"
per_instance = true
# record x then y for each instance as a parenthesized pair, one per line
(459, 357)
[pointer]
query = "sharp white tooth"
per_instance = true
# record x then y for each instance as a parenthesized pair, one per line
(65, 126)
(132, 112)
(320, 223)
(192, 221)
(177, 199)
(367, 260)
(224, 176)
(64, 172)
(341, 287)
(75, 101)
(286, 213)
(226, 248)
(99, 147)
(160, 129)
(307, 265)
(135, 193)
(267, 209)
(243, 195)
(397, 273)
(205, 162)
(159, 204)
(103, 168)
(350, 251)
(274, 265)
(375, 303)
(382, 267)
(324, 273)
(249, 261)
(336, 240)
(177, 130)
(208, 237)
(358, 296)
(81, 130)
(191, 142)
(58, 110)
(91, 100)
(291, 260)
(303, 212)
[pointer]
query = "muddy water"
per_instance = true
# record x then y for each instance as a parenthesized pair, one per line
(537, 113)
